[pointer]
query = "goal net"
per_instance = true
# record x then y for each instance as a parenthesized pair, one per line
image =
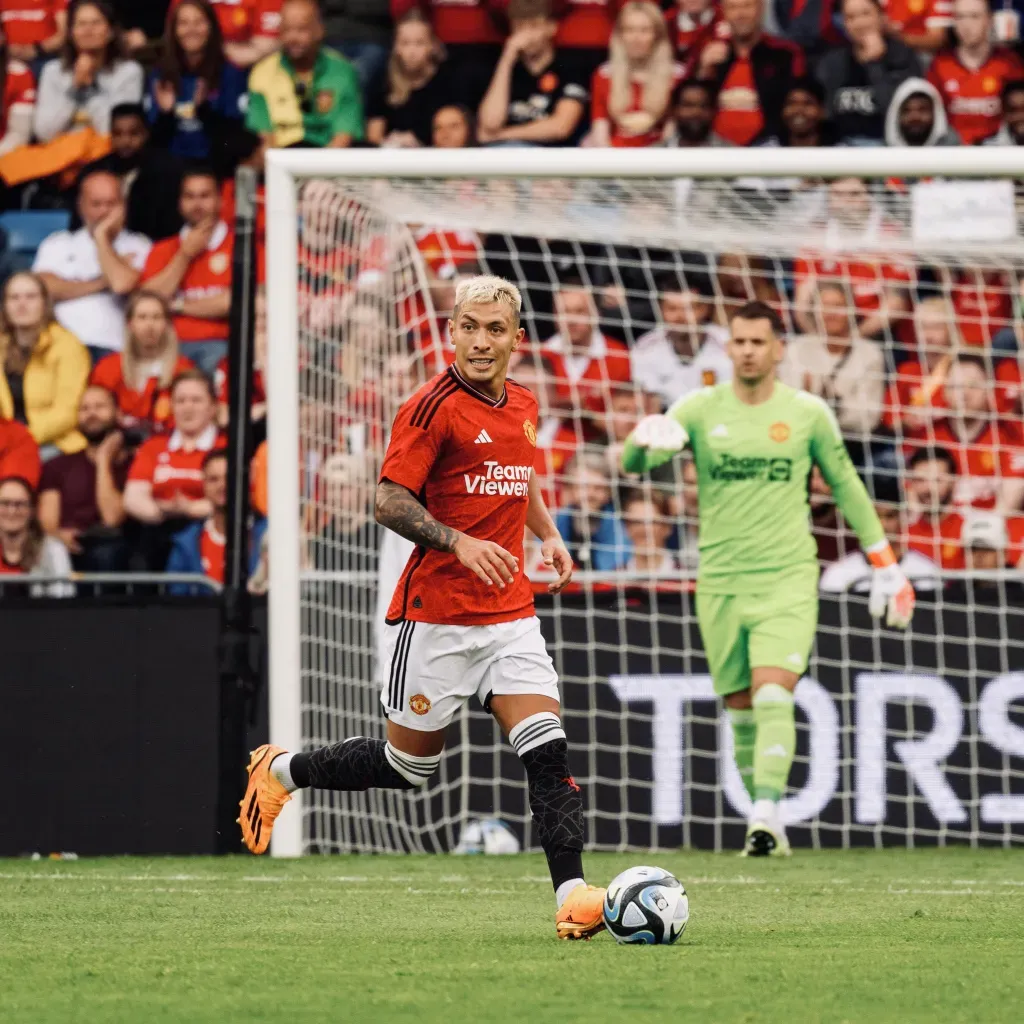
(898, 276)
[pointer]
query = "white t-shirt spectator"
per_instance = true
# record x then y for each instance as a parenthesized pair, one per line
(96, 320)
(658, 367)
(853, 573)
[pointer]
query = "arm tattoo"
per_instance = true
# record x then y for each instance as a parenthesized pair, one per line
(398, 510)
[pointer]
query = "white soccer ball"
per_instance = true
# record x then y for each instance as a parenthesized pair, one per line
(646, 905)
(490, 836)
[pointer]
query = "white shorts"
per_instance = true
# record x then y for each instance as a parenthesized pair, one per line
(431, 670)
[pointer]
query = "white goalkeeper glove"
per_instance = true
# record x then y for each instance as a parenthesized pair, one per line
(660, 433)
(892, 594)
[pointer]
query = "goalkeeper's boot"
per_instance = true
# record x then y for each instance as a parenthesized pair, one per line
(581, 916)
(263, 800)
(765, 835)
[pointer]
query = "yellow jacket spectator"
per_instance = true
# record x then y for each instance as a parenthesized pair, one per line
(307, 94)
(44, 368)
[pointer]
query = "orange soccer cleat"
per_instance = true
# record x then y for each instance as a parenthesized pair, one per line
(580, 916)
(263, 800)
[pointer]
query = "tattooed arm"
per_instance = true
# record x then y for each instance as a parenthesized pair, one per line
(396, 508)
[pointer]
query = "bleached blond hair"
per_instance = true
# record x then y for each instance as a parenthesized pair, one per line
(488, 288)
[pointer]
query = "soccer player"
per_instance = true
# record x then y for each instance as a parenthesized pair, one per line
(754, 441)
(458, 480)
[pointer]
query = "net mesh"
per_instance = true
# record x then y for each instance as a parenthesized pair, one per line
(902, 306)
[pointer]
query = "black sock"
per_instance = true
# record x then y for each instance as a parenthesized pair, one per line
(355, 764)
(557, 807)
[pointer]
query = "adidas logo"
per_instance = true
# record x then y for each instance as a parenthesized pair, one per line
(483, 438)
(720, 431)
(777, 751)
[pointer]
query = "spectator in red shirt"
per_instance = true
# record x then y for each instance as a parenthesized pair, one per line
(81, 496)
(935, 526)
(584, 32)
(249, 27)
(915, 399)
(752, 72)
(855, 237)
(165, 483)
(34, 29)
(631, 95)
(971, 75)
(17, 102)
(586, 362)
(922, 24)
(983, 303)
(140, 377)
(691, 25)
(989, 453)
(192, 271)
(19, 453)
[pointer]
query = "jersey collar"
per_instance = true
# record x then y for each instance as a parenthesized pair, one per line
(469, 389)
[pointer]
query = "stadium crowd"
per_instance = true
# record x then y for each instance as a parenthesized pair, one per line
(125, 122)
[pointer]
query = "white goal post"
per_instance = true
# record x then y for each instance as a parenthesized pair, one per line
(622, 205)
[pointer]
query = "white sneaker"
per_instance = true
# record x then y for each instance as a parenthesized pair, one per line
(766, 836)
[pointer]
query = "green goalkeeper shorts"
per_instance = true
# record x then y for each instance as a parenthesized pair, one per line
(744, 632)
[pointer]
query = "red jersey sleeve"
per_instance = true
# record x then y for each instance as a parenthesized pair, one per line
(159, 256)
(1008, 386)
(599, 91)
(20, 87)
(415, 444)
(144, 463)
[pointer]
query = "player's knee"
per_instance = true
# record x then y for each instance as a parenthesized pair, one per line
(415, 770)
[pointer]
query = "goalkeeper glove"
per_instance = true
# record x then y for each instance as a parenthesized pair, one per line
(891, 594)
(654, 440)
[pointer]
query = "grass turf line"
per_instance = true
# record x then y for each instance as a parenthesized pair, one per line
(858, 936)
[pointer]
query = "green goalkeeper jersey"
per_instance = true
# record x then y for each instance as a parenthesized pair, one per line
(753, 463)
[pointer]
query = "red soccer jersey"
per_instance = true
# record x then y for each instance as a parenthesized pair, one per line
(19, 453)
(469, 458)
(211, 551)
(1009, 387)
(911, 392)
(456, 21)
(918, 16)
(25, 22)
(241, 20)
(587, 24)
(938, 541)
(982, 462)
(739, 119)
(972, 98)
(867, 278)
(208, 274)
(983, 305)
(19, 90)
(151, 405)
(170, 467)
(621, 136)
(590, 386)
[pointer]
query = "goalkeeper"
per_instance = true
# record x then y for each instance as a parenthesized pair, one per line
(754, 440)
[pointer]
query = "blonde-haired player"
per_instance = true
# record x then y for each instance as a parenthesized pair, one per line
(458, 481)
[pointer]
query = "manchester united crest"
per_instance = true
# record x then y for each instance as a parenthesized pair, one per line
(219, 263)
(779, 432)
(531, 433)
(419, 704)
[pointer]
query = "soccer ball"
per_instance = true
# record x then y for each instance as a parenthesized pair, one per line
(488, 836)
(646, 905)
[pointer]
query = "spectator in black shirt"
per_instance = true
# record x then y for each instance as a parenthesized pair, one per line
(536, 96)
(803, 116)
(147, 175)
(861, 78)
(453, 128)
(417, 85)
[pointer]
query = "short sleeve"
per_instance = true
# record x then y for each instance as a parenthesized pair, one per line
(599, 97)
(158, 258)
(347, 117)
(144, 463)
(413, 449)
(48, 256)
(50, 479)
(106, 372)
(257, 113)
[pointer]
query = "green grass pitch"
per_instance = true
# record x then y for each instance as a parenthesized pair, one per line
(868, 936)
